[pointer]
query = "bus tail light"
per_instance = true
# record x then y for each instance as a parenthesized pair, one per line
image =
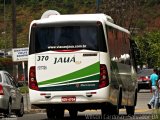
(32, 78)
(1, 90)
(104, 80)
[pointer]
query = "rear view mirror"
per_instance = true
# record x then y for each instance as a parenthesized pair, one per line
(135, 52)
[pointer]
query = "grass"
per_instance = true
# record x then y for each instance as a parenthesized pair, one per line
(155, 114)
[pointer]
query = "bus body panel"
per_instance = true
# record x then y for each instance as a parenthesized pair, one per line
(83, 59)
(62, 71)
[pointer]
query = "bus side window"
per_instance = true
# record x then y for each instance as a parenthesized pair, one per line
(119, 46)
(110, 40)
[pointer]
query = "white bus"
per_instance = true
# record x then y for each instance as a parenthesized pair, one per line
(79, 62)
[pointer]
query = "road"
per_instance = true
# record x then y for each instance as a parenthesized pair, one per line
(141, 113)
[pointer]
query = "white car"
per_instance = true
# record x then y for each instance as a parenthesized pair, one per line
(11, 100)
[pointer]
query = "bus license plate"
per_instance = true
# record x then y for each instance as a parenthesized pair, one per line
(68, 99)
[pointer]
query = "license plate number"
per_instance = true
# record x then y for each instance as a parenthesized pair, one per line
(68, 99)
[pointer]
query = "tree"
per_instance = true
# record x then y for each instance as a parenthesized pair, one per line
(149, 45)
(123, 12)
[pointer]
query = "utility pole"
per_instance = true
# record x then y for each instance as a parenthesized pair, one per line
(14, 42)
(14, 32)
(4, 31)
(14, 37)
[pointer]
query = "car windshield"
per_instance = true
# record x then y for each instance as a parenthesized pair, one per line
(145, 72)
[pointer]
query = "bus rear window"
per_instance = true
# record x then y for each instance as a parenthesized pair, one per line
(44, 38)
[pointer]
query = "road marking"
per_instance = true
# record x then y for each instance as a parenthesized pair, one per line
(12, 117)
(124, 110)
(137, 110)
(143, 110)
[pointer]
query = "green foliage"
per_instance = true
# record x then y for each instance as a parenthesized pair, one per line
(149, 45)
(152, 2)
(140, 24)
(6, 61)
(24, 89)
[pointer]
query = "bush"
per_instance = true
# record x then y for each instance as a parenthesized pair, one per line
(24, 89)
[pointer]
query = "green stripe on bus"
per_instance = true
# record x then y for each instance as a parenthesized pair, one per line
(86, 79)
(72, 87)
(92, 69)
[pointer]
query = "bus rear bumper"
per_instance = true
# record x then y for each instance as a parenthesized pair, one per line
(70, 98)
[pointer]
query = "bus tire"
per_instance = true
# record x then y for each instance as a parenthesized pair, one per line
(73, 113)
(115, 110)
(110, 109)
(130, 110)
(50, 113)
(105, 110)
(59, 113)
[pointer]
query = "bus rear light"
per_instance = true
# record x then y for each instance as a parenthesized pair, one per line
(104, 80)
(1, 90)
(32, 78)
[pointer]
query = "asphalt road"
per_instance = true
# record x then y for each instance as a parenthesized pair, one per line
(141, 113)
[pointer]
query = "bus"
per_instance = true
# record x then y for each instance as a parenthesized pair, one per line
(80, 62)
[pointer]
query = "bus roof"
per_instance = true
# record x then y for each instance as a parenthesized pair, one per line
(80, 18)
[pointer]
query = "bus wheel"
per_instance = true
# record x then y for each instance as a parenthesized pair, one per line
(130, 110)
(50, 113)
(73, 113)
(105, 110)
(115, 110)
(59, 113)
(110, 110)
